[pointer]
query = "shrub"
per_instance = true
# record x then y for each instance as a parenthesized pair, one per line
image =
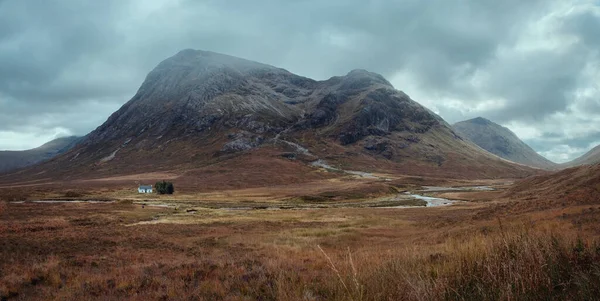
(164, 187)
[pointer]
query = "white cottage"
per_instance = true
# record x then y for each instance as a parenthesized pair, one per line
(145, 189)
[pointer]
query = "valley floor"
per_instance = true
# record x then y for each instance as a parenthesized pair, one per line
(478, 249)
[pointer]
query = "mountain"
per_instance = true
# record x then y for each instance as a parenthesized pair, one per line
(203, 115)
(591, 157)
(10, 160)
(502, 142)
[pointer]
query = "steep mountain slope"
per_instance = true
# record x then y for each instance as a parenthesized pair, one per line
(10, 160)
(502, 142)
(200, 110)
(591, 157)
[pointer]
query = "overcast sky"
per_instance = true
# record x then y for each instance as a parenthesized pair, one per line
(533, 66)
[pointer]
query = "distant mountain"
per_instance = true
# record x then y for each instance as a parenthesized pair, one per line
(10, 160)
(591, 157)
(199, 111)
(502, 142)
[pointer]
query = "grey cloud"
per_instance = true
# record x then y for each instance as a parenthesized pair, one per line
(550, 135)
(537, 84)
(47, 38)
(65, 55)
(547, 141)
(590, 105)
(586, 25)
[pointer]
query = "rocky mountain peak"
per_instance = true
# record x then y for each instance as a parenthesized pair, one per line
(196, 91)
(200, 59)
(360, 78)
(480, 121)
(198, 107)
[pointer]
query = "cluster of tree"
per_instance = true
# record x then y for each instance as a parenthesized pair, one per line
(164, 187)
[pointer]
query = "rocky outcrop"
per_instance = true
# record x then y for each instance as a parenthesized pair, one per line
(242, 141)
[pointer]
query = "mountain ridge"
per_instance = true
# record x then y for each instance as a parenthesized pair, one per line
(11, 160)
(200, 108)
(591, 157)
(502, 142)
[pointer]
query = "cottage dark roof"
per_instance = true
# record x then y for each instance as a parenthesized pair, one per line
(145, 187)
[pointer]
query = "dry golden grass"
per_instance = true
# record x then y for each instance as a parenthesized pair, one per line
(123, 251)
(514, 265)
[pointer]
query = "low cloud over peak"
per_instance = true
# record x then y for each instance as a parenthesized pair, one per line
(532, 66)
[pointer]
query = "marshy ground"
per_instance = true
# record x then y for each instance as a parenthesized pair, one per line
(312, 249)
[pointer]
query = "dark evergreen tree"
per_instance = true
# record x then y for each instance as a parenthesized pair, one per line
(164, 187)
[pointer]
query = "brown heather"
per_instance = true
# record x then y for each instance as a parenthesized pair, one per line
(121, 251)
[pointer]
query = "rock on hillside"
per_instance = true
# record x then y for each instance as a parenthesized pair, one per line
(200, 108)
(502, 142)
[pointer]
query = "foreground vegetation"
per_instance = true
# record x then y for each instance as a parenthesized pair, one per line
(515, 266)
(119, 250)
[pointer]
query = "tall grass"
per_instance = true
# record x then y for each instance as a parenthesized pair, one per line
(506, 266)
(499, 264)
